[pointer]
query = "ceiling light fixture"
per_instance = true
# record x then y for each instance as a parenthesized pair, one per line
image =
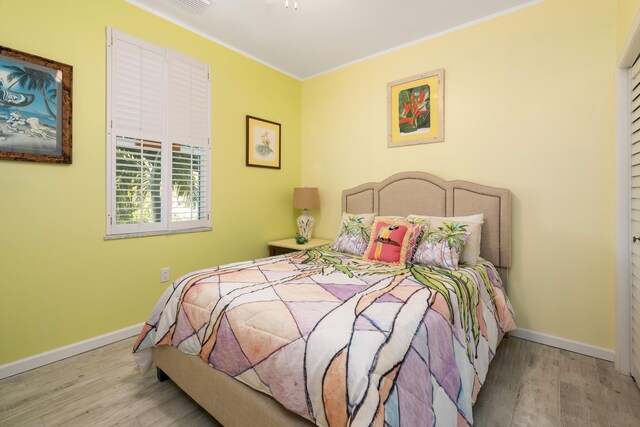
(295, 4)
(286, 3)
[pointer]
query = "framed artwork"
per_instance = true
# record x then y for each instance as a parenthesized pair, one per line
(263, 143)
(35, 108)
(416, 109)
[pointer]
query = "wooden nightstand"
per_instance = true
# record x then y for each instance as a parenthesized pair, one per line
(279, 247)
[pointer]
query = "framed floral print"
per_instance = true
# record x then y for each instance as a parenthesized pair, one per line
(35, 108)
(416, 109)
(263, 143)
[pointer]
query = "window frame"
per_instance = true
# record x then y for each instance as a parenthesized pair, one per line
(166, 225)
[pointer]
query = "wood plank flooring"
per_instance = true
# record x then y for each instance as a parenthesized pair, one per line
(528, 385)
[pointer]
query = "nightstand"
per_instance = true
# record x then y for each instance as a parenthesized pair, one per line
(279, 247)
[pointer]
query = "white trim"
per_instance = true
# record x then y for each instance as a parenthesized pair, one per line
(631, 45)
(623, 224)
(65, 352)
(365, 58)
(156, 233)
(627, 57)
(109, 155)
(565, 344)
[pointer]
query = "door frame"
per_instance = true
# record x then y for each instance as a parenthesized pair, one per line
(628, 54)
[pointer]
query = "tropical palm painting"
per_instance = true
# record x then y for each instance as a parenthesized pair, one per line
(29, 107)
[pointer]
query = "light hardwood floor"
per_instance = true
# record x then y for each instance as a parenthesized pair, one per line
(528, 385)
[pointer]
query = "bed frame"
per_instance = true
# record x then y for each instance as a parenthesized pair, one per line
(233, 403)
(424, 194)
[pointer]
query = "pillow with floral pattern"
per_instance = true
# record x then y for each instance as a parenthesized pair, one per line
(353, 237)
(471, 252)
(441, 246)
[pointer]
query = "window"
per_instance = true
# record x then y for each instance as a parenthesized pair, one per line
(158, 139)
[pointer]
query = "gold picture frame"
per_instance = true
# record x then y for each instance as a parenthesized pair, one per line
(35, 108)
(264, 149)
(416, 109)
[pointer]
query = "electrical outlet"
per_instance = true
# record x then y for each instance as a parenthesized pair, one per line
(164, 275)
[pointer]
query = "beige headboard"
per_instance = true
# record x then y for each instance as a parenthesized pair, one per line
(424, 194)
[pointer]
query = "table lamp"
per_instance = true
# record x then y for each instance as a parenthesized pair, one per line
(306, 198)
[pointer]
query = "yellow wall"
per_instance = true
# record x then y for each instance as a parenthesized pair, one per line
(60, 282)
(530, 107)
(627, 10)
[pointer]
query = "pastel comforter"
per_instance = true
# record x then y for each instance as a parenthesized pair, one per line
(338, 340)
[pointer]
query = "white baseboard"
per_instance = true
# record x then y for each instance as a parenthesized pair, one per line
(565, 344)
(51, 356)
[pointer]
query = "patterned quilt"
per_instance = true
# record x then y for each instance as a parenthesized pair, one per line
(338, 340)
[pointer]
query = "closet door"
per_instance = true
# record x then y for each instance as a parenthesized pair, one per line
(635, 220)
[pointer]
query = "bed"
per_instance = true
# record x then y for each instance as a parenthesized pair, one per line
(324, 338)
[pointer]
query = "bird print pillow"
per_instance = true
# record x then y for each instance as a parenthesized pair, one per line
(389, 242)
(416, 224)
(441, 246)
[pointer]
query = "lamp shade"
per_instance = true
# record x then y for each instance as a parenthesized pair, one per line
(306, 198)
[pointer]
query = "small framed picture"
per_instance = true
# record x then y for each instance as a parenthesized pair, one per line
(35, 108)
(263, 143)
(416, 109)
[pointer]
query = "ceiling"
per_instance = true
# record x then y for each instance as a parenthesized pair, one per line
(323, 35)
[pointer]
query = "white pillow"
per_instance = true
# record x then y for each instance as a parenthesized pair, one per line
(471, 252)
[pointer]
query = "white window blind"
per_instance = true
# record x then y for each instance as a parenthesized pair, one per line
(189, 179)
(138, 182)
(139, 103)
(158, 138)
(189, 108)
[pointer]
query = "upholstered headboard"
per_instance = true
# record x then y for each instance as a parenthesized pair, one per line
(424, 194)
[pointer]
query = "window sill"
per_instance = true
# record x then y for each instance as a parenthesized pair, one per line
(154, 233)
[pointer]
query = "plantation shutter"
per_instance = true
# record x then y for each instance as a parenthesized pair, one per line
(635, 220)
(138, 184)
(158, 130)
(138, 129)
(189, 107)
(139, 88)
(189, 132)
(189, 184)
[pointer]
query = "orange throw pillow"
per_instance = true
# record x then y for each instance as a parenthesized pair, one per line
(388, 242)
